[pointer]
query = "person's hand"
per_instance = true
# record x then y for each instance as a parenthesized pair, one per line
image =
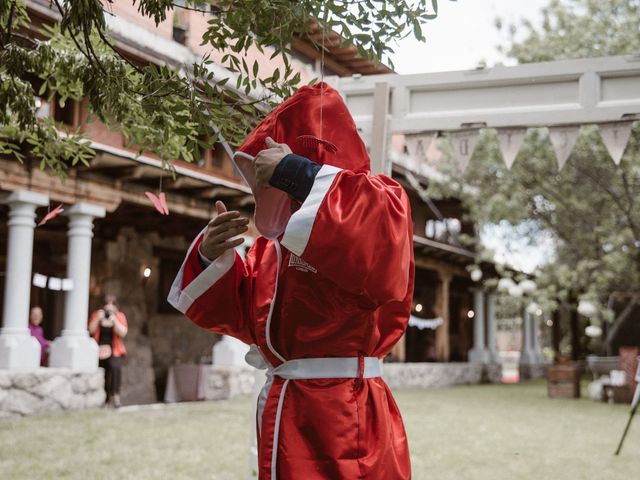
(112, 307)
(106, 322)
(268, 159)
(217, 236)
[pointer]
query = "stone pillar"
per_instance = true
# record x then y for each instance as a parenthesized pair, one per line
(535, 340)
(75, 348)
(527, 356)
(479, 352)
(229, 352)
(18, 349)
(443, 344)
(492, 328)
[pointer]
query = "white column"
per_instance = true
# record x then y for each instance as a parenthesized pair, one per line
(379, 130)
(18, 349)
(479, 352)
(527, 355)
(492, 328)
(75, 348)
(535, 340)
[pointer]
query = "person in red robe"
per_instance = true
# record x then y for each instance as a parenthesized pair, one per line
(323, 294)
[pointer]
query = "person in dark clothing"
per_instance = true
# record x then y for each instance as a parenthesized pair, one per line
(108, 326)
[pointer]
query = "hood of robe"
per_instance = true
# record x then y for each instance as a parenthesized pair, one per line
(297, 123)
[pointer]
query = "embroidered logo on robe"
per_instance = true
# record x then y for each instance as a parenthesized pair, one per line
(299, 264)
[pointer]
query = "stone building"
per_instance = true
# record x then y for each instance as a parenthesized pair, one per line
(109, 238)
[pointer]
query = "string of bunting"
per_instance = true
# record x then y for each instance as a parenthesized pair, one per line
(422, 147)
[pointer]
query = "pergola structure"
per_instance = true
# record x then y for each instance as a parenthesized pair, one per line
(564, 94)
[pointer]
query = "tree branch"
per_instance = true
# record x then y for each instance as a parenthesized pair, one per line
(7, 38)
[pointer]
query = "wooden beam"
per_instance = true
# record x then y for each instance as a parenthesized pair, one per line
(311, 52)
(215, 192)
(443, 341)
(439, 266)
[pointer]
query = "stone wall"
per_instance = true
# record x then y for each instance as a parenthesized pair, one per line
(531, 371)
(223, 383)
(426, 375)
(49, 390)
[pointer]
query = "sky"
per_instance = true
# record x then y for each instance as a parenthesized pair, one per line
(462, 35)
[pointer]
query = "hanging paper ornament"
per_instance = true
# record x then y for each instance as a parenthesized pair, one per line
(563, 140)
(159, 202)
(615, 137)
(528, 286)
(464, 143)
(511, 139)
(51, 215)
(505, 283)
(476, 274)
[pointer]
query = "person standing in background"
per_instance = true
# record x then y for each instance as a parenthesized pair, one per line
(35, 319)
(108, 326)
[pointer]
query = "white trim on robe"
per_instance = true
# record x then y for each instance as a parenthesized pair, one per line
(182, 299)
(298, 230)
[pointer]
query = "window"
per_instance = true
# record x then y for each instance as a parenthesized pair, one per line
(65, 113)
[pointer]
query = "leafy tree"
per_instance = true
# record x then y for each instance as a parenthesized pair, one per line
(172, 111)
(591, 205)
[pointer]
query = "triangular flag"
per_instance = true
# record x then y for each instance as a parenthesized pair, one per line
(159, 202)
(418, 144)
(563, 140)
(417, 147)
(615, 137)
(434, 154)
(51, 215)
(464, 143)
(511, 139)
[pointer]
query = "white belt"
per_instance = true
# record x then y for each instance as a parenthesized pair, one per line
(307, 369)
(314, 368)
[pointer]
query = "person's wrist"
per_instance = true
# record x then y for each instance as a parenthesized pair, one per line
(206, 255)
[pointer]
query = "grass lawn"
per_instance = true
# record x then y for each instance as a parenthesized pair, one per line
(478, 432)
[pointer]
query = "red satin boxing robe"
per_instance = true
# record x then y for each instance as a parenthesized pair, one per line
(332, 279)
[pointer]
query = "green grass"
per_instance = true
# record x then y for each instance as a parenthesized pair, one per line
(480, 432)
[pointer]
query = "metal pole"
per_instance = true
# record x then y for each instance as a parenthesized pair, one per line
(634, 408)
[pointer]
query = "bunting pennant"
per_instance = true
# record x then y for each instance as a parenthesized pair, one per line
(54, 283)
(511, 139)
(417, 147)
(39, 280)
(434, 154)
(615, 137)
(563, 140)
(464, 143)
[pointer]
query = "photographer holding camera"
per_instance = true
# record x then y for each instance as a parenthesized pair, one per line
(108, 326)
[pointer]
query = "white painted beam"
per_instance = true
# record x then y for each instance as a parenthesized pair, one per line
(568, 92)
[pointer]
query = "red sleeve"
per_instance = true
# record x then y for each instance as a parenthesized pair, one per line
(216, 298)
(356, 230)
